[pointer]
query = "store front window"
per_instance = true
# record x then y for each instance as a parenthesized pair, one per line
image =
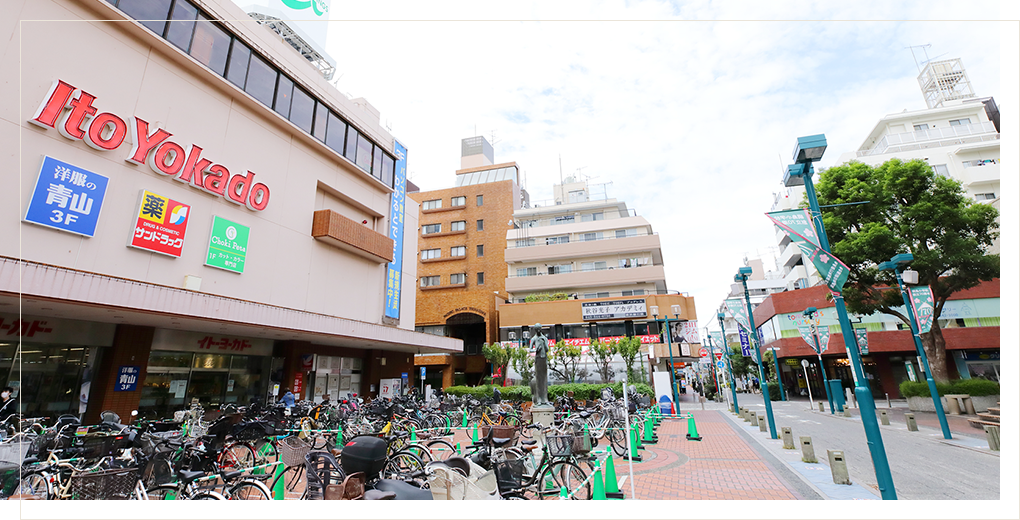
(48, 378)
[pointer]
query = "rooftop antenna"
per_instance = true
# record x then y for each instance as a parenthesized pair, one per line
(924, 48)
(561, 168)
(493, 141)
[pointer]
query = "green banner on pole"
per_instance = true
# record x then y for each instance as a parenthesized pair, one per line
(862, 339)
(718, 340)
(797, 224)
(228, 245)
(823, 337)
(738, 312)
(923, 303)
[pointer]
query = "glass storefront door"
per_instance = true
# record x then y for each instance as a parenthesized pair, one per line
(173, 379)
(48, 378)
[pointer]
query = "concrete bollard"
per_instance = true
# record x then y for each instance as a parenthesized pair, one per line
(911, 423)
(763, 425)
(821, 407)
(787, 438)
(744, 414)
(754, 419)
(883, 415)
(837, 464)
(807, 450)
(846, 412)
(992, 432)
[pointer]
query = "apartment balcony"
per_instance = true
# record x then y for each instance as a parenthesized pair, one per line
(618, 218)
(582, 249)
(933, 138)
(339, 231)
(791, 255)
(581, 279)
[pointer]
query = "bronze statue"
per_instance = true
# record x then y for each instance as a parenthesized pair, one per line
(540, 387)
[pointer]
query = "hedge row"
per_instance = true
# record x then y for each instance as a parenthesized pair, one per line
(972, 387)
(582, 391)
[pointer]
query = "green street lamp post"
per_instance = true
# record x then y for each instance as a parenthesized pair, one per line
(742, 275)
(808, 150)
(672, 371)
(726, 354)
(711, 357)
(809, 313)
(895, 265)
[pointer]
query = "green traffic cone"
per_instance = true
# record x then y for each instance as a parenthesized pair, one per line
(338, 444)
(692, 429)
(474, 434)
(633, 455)
(637, 436)
(612, 489)
(279, 491)
(414, 437)
(598, 491)
(458, 448)
(463, 420)
(650, 437)
(563, 493)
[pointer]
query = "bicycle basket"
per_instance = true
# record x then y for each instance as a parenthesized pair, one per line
(111, 484)
(581, 444)
(252, 431)
(501, 434)
(293, 451)
(91, 446)
(509, 474)
(560, 445)
(14, 452)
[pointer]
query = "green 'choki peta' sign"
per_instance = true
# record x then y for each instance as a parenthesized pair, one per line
(228, 245)
(318, 6)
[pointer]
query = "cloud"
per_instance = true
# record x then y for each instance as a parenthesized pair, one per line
(689, 109)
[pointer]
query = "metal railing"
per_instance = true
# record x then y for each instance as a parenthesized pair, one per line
(607, 268)
(541, 241)
(933, 138)
(574, 219)
(609, 294)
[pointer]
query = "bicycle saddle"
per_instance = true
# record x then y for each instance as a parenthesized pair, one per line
(403, 490)
(187, 476)
(375, 494)
(529, 442)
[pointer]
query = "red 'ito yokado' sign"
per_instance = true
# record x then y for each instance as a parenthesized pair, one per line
(70, 111)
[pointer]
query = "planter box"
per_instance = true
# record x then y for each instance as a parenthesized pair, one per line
(925, 404)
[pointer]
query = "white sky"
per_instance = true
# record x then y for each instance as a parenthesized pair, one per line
(691, 109)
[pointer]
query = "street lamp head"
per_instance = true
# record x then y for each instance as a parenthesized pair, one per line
(887, 266)
(910, 277)
(654, 309)
(675, 309)
(794, 175)
(809, 149)
(903, 258)
(810, 311)
(720, 315)
(745, 270)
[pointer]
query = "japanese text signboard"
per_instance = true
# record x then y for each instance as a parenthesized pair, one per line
(228, 245)
(797, 224)
(127, 379)
(613, 309)
(396, 232)
(924, 306)
(67, 198)
(161, 224)
(736, 309)
(862, 339)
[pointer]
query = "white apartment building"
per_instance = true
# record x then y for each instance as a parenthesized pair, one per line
(584, 245)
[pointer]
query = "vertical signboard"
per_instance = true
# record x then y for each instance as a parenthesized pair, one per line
(396, 232)
(228, 245)
(862, 339)
(924, 306)
(67, 198)
(160, 224)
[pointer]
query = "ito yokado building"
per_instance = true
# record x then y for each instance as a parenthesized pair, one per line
(193, 212)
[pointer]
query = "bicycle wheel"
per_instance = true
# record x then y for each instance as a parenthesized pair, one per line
(249, 490)
(236, 457)
(207, 495)
(164, 492)
(563, 474)
(618, 438)
(35, 486)
(266, 452)
(404, 465)
(421, 450)
(441, 449)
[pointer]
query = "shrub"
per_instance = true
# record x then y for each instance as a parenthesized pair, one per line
(582, 391)
(972, 387)
(774, 392)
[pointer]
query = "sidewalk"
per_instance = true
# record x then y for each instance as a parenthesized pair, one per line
(958, 424)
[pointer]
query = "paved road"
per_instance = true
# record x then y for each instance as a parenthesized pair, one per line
(923, 465)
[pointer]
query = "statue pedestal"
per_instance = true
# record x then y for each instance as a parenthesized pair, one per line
(542, 414)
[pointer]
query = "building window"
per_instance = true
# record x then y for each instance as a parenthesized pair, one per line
(624, 233)
(480, 278)
(321, 114)
(302, 109)
(527, 271)
(593, 266)
(458, 251)
(577, 196)
(629, 262)
(587, 237)
(958, 122)
(456, 279)
(429, 281)
(589, 217)
(941, 169)
(261, 82)
(480, 225)
(457, 225)
(635, 292)
(181, 28)
(153, 12)
(478, 200)
(526, 242)
(559, 269)
(210, 45)
(557, 240)
(567, 219)
(432, 204)
(921, 128)
(480, 250)
(429, 254)
(984, 196)
(458, 201)
(429, 229)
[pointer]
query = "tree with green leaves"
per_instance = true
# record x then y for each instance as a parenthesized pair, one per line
(629, 348)
(563, 360)
(499, 356)
(602, 353)
(909, 209)
(523, 363)
(742, 366)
